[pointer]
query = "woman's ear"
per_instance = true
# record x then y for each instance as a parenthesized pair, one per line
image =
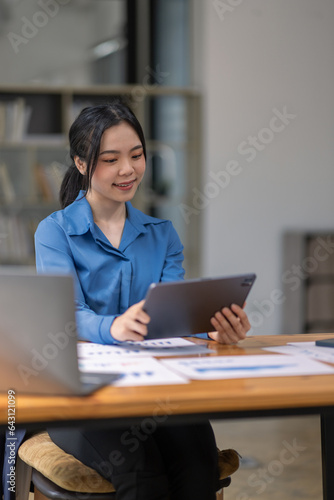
(81, 165)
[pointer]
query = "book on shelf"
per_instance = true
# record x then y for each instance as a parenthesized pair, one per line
(54, 173)
(14, 120)
(7, 191)
(44, 191)
(4, 250)
(48, 180)
(16, 240)
(2, 121)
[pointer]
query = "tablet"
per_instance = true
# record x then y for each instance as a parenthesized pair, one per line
(181, 308)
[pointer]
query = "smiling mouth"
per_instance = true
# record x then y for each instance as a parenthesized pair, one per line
(125, 185)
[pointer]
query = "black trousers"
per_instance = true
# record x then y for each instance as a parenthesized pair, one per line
(149, 462)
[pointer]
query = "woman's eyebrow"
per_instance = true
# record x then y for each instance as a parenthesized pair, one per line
(114, 151)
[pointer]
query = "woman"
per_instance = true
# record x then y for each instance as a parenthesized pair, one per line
(114, 253)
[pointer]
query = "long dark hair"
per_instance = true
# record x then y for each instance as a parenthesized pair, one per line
(85, 137)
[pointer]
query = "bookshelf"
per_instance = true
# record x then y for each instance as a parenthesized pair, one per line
(34, 123)
(308, 279)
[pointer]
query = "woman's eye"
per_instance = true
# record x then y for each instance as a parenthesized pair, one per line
(111, 160)
(136, 157)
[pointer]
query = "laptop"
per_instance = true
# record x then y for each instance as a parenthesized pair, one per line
(38, 336)
(181, 308)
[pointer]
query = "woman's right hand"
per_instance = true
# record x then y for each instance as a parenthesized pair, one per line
(131, 325)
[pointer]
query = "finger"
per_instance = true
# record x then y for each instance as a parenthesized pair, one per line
(136, 327)
(237, 309)
(124, 335)
(225, 332)
(137, 306)
(143, 317)
(138, 313)
(234, 328)
(238, 319)
(221, 321)
(134, 337)
(222, 338)
(234, 320)
(228, 321)
(242, 315)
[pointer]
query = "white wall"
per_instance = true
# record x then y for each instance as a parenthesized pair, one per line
(258, 56)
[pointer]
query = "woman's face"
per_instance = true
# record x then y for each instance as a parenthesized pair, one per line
(121, 165)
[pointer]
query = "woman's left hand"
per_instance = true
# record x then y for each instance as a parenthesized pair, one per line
(231, 325)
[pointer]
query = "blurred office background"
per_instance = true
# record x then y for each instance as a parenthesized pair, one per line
(236, 99)
(237, 105)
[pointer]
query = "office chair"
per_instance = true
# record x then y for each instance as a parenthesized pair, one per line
(56, 475)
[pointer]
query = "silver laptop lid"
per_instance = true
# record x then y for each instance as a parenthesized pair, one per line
(38, 336)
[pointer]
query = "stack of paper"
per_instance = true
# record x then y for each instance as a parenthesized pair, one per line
(226, 367)
(136, 360)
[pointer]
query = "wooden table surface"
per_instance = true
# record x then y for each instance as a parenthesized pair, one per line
(197, 397)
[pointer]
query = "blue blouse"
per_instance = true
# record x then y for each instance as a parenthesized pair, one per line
(107, 280)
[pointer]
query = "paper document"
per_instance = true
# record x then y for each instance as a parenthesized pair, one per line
(226, 367)
(308, 349)
(159, 347)
(136, 371)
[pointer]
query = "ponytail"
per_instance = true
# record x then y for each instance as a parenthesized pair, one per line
(72, 183)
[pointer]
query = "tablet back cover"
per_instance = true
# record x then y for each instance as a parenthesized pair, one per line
(185, 307)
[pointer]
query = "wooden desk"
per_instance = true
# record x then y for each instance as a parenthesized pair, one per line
(216, 399)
